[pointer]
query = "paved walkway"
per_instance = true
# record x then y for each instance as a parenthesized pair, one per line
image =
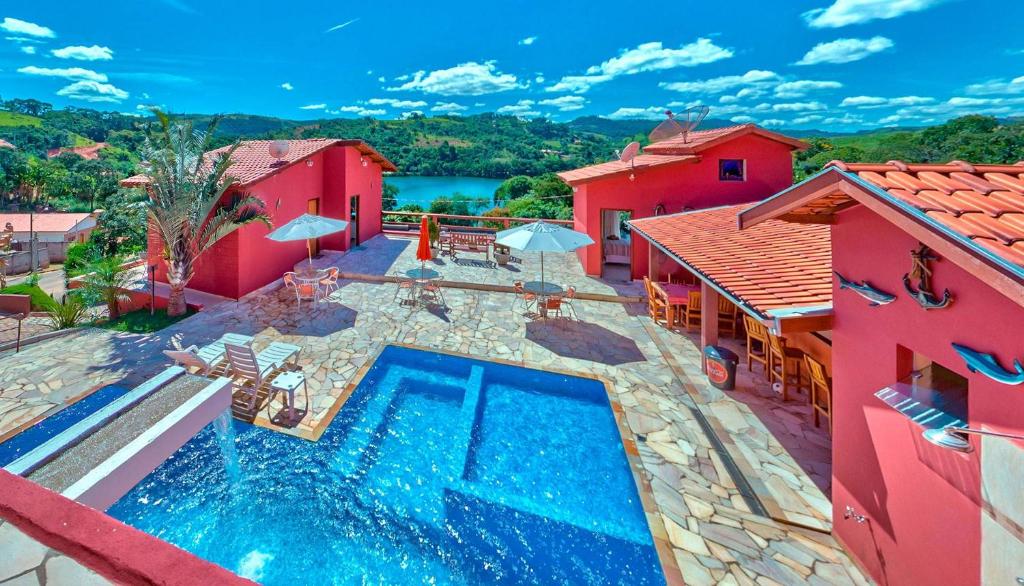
(26, 562)
(704, 509)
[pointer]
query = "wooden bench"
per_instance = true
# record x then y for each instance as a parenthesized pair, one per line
(452, 242)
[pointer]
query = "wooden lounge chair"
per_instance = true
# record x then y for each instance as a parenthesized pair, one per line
(727, 317)
(784, 364)
(206, 359)
(757, 343)
(691, 315)
(254, 369)
(821, 391)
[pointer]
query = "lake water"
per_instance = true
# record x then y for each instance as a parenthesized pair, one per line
(423, 190)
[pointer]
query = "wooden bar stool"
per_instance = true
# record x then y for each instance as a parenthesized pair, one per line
(784, 363)
(821, 391)
(757, 344)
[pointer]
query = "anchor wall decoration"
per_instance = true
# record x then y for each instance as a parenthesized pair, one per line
(987, 365)
(919, 270)
(867, 291)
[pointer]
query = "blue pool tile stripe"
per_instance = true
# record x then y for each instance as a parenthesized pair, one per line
(468, 417)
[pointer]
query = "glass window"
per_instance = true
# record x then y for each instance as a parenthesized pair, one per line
(731, 170)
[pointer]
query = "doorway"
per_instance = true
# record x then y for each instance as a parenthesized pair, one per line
(616, 245)
(313, 208)
(354, 221)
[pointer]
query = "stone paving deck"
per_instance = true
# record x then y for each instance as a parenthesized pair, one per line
(716, 536)
(26, 562)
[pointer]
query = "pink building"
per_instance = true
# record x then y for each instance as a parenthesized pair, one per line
(707, 168)
(328, 177)
(928, 336)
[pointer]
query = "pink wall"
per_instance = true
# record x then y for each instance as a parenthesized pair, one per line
(923, 502)
(687, 185)
(246, 260)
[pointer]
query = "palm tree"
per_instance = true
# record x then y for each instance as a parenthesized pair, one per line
(185, 206)
(107, 280)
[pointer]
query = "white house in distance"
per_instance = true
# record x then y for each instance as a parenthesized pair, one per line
(50, 227)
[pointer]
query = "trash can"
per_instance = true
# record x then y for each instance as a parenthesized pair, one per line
(721, 367)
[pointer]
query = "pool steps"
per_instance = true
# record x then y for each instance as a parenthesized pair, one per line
(45, 452)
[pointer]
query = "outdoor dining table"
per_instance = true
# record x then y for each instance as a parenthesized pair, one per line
(543, 290)
(678, 293)
(310, 277)
(421, 277)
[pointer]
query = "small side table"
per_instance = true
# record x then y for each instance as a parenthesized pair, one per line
(288, 382)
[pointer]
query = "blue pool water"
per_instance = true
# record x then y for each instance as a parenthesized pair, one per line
(27, 440)
(437, 470)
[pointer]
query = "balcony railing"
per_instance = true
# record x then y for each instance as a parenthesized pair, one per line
(409, 222)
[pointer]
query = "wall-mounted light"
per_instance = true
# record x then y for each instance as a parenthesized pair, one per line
(575, 189)
(362, 161)
(632, 177)
(309, 162)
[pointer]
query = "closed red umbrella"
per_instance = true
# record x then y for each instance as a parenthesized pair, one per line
(423, 250)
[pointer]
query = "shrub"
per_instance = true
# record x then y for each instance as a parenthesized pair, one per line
(69, 312)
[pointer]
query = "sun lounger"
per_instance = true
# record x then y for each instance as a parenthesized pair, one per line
(207, 358)
(255, 368)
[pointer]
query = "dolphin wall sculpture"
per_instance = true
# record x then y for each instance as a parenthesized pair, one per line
(987, 365)
(864, 289)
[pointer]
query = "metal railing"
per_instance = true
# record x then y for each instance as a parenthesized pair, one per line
(394, 221)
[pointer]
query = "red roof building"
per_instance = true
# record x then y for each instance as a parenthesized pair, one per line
(926, 335)
(51, 227)
(86, 152)
(706, 168)
(329, 177)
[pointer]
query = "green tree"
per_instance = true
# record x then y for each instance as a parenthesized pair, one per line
(551, 186)
(534, 207)
(185, 191)
(512, 188)
(389, 196)
(106, 280)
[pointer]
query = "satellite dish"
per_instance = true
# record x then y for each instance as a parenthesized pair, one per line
(670, 128)
(629, 152)
(279, 149)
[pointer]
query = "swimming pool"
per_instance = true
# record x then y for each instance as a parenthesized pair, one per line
(32, 437)
(438, 469)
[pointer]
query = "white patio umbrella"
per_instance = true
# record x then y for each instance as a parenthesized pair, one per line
(307, 227)
(542, 237)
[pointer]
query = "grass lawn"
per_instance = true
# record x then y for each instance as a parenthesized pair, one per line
(140, 322)
(40, 299)
(15, 119)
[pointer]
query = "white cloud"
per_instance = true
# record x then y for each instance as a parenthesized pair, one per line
(528, 41)
(522, 108)
(411, 113)
(800, 88)
(845, 50)
(340, 26)
(846, 12)
(466, 79)
(382, 79)
(93, 91)
(369, 72)
(313, 107)
(82, 53)
(652, 113)
(997, 86)
(865, 102)
(725, 83)
(807, 119)
(28, 49)
(773, 122)
(742, 119)
(448, 108)
(565, 103)
(65, 73)
(577, 84)
(653, 56)
(539, 78)
(798, 107)
(21, 27)
(287, 86)
(359, 111)
(394, 103)
(844, 120)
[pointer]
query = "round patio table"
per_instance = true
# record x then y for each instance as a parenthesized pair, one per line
(312, 280)
(540, 288)
(422, 273)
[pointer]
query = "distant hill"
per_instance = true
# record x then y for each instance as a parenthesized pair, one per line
(620, 130)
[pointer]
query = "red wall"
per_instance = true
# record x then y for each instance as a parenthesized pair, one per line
(686, 185)
(923, 502)
(246, 260)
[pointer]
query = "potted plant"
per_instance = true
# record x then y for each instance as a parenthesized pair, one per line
(501, 255)
(435, 236)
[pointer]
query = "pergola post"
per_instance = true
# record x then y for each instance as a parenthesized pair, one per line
(653, 264)
(708, 319)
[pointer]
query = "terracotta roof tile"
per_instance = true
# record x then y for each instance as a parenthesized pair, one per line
(984, 203)
(584, 174)
(772, 265)
(56, 222)
(675, 150)
(252, 161)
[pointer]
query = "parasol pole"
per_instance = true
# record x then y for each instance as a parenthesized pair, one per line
(542, 288)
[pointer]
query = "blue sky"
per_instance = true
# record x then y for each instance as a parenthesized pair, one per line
(830, 64)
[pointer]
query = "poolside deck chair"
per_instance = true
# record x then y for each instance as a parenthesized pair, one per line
(254, 368)
(207, 358)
